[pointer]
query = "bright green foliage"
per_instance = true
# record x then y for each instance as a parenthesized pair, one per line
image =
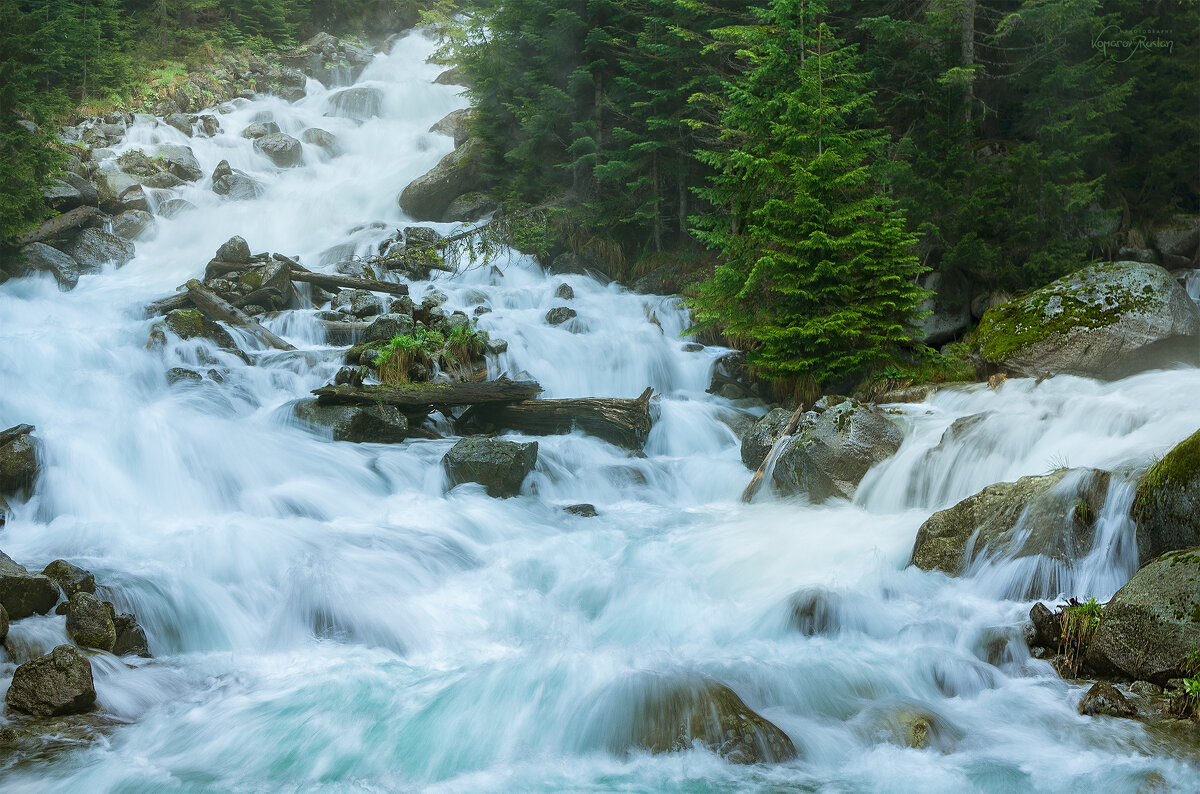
(1077, 622)
(818, 270)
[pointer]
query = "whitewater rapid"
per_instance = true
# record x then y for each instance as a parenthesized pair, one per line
(327, 617)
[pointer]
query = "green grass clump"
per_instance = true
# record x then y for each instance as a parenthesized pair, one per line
(400, 356)
(1078, 622)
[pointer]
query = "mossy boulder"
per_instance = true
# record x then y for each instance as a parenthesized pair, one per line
(500, 466)
(1166, 507)
(1106, 320)
(376, 424)
(18, 460)
(23, 593)
(762, 435)
(131, 637)
(1152, 622)
(41, 257)
(427, 197)
(53, 685)
(90, 622)
(829, 458)
(1052, 514)
(673, 714)
(71, 579)
(191, 324)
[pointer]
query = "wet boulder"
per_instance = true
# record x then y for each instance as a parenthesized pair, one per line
(282, 150)
(232, 183)
(1152, 622)
(359, 103)
(1107, 320)
(427, 197)
(260, 129)
(180, 161)
(23, 593)
(191, 324)
(90, 622)
(500, 466)
(830, 458)
(358, 302)
(762, 435)
(69, 192)
(1105, 700)
(385, 326)
(235, 251)
(731, 378)
(374, 424)
(119, 192)
(131, 637)
(559, 315)
(319, 137)
(670, 715)
(95, 248)
(1053, 515)
(469, 208)
(131, 224)
(1166, 507)
(41, 257)
(456, 124)
(18, 459)
(947, 309)
(179, 121)
(71, 579)
(53, 685)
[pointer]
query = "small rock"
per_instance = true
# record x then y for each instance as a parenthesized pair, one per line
(564, 292)
(90, 623)
(496, 346)
(1104, 699)
(235, 250)
(131, 637)
(559, 315)
(282, 150)
(52, 685)
(583, 510)
(183, 375)
(180, 122)
(500, 466)
(18, 460)
(131, 224)
(260, 129)
(232, 183)
(70, 578)
(321, 138)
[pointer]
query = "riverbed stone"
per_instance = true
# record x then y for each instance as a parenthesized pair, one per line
(260, 129)
(1152, 622)
(90, 623)
(500, 466)
(385, 326)
(180, 161)
(762, 435)
(235, 250)
(1107, 320)
(131, 637)
(673, 714)
(61, 265)
(1105, 700)
(23, 593)
(71, 579)
(119, 192)
(456, 125)
(233, 184)
(359, 103)
(179, 121)
(427, 197)
(559, 315)
(375, 424)
(52, 685)
(319, 137)
(18, 459)
(470, 207)
(1052, 514)
(131, 224)
(95, 248)
(1166, 507)
(829, 459)
(282, 150)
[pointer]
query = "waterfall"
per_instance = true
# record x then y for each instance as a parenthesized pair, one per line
(328, 616)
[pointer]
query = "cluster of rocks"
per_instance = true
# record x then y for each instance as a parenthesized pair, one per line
(60, 682)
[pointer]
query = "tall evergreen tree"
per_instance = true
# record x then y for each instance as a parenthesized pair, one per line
(817, 272)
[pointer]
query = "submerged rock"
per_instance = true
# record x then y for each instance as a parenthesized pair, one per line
(1052, 514)
(500, 466)
(830, 458)
(1166, 507)
(41, 257)
(1107, 320)
(52, 685)
(23, 593)
(1152, 622)
(90, 622)
(376, 424)
(670, 715)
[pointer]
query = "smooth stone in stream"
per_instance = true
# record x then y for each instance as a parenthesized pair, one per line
(53, 685)
(762, 435)
(71, 579)
(500, 466)
(90, 622)
(376, 424)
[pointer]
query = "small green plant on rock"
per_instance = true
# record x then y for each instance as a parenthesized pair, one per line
(400, 356)
(1186, 702)
(1078, 621)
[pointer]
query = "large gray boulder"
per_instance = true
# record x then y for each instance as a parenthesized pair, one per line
(18, 459)
(456, 124)
(673, 714)
(53, 685)
(427, 197)
(119, 192)
(90, 622)
(41, 257)
(232, 183)
(375, 424)
(1152, 622)
(23, 593)
(131, 224)
(359, 103)
(470, 207)
(235, 250)
(1166, 507)
(1107, 320)
(829, 459)
(282, 150)
(1178, 237)
(762, 435)
(69, 192)
(500, 466)
(180, 161)
(95, 248)
(948, 307)
(71, 579)
(385, 326)
(1052, 514)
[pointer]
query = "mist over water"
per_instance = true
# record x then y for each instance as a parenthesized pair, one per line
(327, 617)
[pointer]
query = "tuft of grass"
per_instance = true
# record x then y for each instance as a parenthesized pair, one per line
(1078, 621)
(1186, 701)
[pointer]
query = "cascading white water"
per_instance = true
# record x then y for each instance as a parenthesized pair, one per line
(325, 616)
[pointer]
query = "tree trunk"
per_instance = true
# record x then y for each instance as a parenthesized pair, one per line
(431, 395)
(218, 309)
(967, 55)
(56, 226)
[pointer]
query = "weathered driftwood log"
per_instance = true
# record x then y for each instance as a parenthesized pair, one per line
(338, 332)
(56, 225)
(300, 273)
(427, 396)
(217, 308)
(757, 480)
(623, 422)
(180, 300)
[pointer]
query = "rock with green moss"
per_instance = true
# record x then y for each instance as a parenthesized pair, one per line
(1166, 507)
(1053, 515)
(53, 685)
(830, 458)
(23, 593)
(90, 622)
(673, 714)
(1152, 622)
(1106, 320)
(191, 324)
(427, 197)
(18, 460)
(376, 424)
(500, 466)
(71, 579)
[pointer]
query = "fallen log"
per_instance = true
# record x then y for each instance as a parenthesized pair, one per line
(56, 225)
(623, 422)
(219, 309)
(298, 272)
(180, 300)
(428, 396)
(267, 297)
(757, 480)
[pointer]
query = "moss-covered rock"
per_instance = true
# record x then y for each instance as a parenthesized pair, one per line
(18, 459)
(427, 197)
(1052, 514)
(71, 579)
(191, 324)
(53, 685)
(23, 593)
(377, 424)
(762, 435)
(90, 622)
(1105, 320)
(500, 466)
(1152, 622)
(1166, 507)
